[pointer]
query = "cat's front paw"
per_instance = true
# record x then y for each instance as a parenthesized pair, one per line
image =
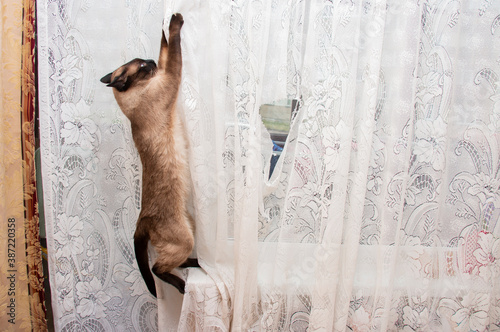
(176, 23)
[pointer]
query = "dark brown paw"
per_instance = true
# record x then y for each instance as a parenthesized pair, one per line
(176, 22)
(170, 278)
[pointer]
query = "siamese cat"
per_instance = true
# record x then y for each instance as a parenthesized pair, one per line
(147, 94)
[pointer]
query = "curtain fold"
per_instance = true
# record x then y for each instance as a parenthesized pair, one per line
(13, 277)
(90, 168)
(22, 297)
(381, 212)
(375, 215)
(33, 247)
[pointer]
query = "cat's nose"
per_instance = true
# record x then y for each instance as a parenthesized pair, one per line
(151, 62)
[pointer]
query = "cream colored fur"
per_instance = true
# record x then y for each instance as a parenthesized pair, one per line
(147, 96)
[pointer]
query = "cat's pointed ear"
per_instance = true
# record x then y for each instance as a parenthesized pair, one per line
(106, 79)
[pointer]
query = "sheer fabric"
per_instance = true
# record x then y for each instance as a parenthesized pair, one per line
(91, 170)
(381, 213)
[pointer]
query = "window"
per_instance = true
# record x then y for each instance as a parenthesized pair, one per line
(277, 117)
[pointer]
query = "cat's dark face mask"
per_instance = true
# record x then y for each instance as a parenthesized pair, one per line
(129, 74)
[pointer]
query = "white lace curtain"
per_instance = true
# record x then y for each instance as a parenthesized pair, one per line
(381, 213)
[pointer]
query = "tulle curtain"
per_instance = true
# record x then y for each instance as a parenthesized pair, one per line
(21, 276)
(381, 212)
(90, 168)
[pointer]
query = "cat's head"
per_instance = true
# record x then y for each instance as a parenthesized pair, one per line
(131, 74)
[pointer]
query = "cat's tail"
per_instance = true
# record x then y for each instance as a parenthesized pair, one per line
(141, 240)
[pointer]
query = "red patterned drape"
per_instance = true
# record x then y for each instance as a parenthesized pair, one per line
(33, 247)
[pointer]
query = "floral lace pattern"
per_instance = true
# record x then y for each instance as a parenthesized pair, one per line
(381, 213)
(91, 170)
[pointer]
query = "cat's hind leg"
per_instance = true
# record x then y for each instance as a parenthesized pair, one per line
(171, 255)
(170, 278)
(190, 262)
